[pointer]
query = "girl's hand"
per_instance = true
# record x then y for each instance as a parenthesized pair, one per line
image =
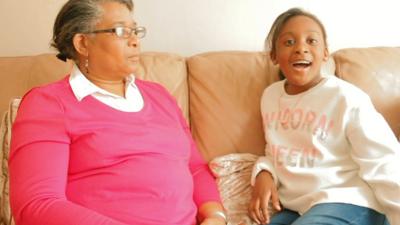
(213, 221)
(264, 191)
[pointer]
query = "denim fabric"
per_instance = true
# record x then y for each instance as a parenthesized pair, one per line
(331, 214)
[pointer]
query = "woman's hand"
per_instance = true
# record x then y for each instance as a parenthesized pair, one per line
(264, 191)
(212, 213)
(213, 221)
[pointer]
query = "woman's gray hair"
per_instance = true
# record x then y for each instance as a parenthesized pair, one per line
(77, 16)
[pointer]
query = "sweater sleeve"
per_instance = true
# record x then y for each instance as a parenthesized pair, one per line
(377, 152)
(39, 166)
(205, 187)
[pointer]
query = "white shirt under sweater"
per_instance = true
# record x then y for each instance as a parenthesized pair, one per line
(82, 87)
(329, 144)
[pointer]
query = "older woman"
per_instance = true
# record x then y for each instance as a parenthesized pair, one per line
(99, 146)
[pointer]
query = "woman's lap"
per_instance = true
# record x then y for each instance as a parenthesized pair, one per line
(331, 214)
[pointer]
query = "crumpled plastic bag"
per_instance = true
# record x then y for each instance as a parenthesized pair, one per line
(233, 173)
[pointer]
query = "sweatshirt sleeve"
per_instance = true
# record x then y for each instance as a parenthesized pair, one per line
(39, 166)
(264, 162)
(377, 152)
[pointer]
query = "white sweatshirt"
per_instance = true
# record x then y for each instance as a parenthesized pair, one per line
(329, 144)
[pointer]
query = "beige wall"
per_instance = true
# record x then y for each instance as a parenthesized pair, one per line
(188, 27)
(26, 26)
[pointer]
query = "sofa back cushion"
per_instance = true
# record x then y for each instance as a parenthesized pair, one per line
(225, 92)
(19, 74)
(169, 70)
(377, 72)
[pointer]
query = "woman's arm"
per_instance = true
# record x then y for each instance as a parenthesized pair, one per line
(206, 194)
(38, 166)
(212, 213)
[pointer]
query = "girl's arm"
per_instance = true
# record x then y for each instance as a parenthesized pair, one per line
(377, 152)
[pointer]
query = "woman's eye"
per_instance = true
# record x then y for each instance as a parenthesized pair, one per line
(127, 31)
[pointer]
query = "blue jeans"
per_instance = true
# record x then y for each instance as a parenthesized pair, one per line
(331, 214)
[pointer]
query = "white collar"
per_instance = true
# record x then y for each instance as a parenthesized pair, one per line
(82, 87)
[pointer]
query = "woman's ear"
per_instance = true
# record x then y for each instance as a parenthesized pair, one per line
(80, 43)
(326, 54)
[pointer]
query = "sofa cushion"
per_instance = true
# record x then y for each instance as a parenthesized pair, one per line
(5, 136)
(377, 72)
(169, 70)
(225, 92)
(19, 74)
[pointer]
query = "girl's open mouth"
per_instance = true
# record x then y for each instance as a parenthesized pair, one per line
(301, 64)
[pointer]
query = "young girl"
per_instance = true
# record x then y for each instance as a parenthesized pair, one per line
(331, 158)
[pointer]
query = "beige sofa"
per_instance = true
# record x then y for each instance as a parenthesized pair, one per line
(219, 93)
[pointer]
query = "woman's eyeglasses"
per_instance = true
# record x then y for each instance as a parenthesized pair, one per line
(124, 32)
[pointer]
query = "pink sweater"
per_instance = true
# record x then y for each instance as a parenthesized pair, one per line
(86, 163)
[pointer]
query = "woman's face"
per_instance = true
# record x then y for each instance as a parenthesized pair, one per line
(109, 56)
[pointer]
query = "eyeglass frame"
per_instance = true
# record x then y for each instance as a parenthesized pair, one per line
(136, 31)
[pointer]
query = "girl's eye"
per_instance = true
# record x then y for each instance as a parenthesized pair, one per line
(289, 42)
(313, 41)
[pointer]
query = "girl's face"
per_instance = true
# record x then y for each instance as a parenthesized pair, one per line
(300, 51)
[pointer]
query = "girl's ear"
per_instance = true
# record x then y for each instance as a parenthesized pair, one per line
(273, 57)
(80, 42)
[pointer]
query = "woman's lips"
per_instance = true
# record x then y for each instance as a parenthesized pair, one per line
(134, 58)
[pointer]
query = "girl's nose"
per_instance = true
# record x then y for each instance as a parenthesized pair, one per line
(301, 48)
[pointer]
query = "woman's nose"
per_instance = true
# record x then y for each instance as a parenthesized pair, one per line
(133, 41)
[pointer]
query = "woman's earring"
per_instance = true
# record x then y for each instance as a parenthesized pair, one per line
(87, 65)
